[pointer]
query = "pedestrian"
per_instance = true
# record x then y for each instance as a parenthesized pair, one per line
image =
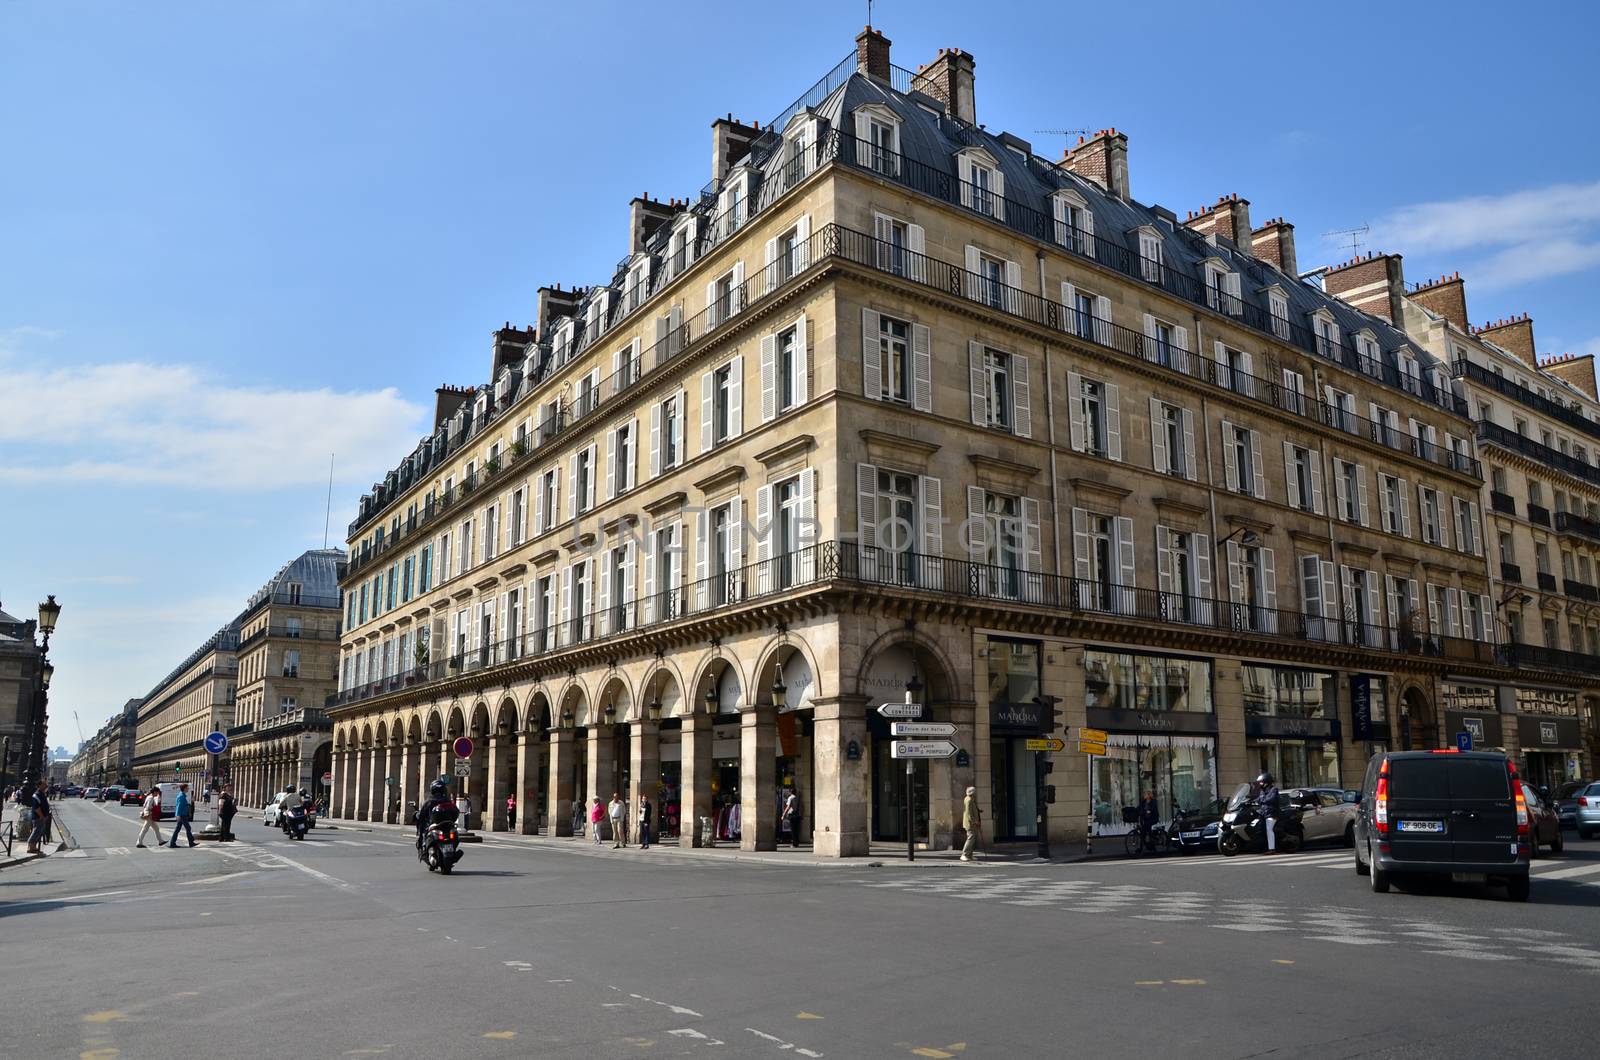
(511, 811)
(1267, 801)
(791, 817)
(40, 806)
(464, 806)
(226, 809)
(617, 811)
(182, 813)
(1149, 816)
(644, 822)
(150, 814)
(971, 821)
(597, 813)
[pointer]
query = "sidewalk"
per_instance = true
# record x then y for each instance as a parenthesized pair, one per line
(19, 847)
(881, 854)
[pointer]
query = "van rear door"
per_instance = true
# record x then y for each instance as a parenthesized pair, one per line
(1419, 809)
(1483, 812)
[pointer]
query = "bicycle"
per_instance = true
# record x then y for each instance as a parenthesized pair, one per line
(1155, 841)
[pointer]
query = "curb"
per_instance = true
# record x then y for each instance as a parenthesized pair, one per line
(23, 860)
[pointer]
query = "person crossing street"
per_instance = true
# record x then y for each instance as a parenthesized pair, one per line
(182, 814)
(150, 814)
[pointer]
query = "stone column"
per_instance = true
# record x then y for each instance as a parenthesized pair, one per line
(342, 783)
(1063, 676)
(602, 765)
(499, 782)
(410, 775)
(402, 788)
(1233, 765)
(527, 752)
(758, 777)
(694, 787)
(839, 828)
(644, 770)
(559, 802)
(358, 777)
(375, 793)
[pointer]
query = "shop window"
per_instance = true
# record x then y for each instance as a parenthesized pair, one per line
(1125, 681)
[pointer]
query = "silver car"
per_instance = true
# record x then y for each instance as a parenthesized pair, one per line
(1327, 814)
(1588, 811)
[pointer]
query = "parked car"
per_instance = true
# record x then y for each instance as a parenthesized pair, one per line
(1196, 829)
(92, 793)
(1326, 813)
(72, 791)
(111, 793)
(131, 797)
(1546, 826)
(1566, 800)
(1588, 811)
(1460, 813)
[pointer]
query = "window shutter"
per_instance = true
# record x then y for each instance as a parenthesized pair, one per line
(979, 381)
(932, 490)
(867, 518)
(1256, 470)
(572, 486)
(538, 505)
(769, 272)
(1158, 447)
(1164, 562)
(1030, 528)
(702, 562)
(1330, 600)
(1405, 510)
(1086, 221)
(630, 465)
(604, 590)
(1311, 590)
(1189, 455)
(974, 289)
(871, 355)
(611, 463)
(769, 380)
(1021, 406)
(1076, 414)
(1477, 531)
(916, 244)
(590, 476)
(1127, 577)
(1433, 611)
(1113, 421)
(616, 366)
(1008, 299)
(1180, 349)
(1452, 597)
(736, 296)
(1102, 320)
(1230, 286)
(708, 406)
(1316, 482)
(674, 333)
(1230, 460)
(802, 363)
(655, 439)
(630, 555)
(1235, 574)
(1374, 617)
(566, 606)
(1487, 631)
(1247, 371)
(764, 526)
(680, 555)
(1361, 488)
(1341, 493)
(863, 140)
(1200, 555)
(1391, 586)
(736, 398)
(1082, 568)
(806, 526)
(1269, 589)
(1069, 313)
(1290, 478)
(1152, 351)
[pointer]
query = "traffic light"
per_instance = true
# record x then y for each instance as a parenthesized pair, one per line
(177, 770)
(1054, 718)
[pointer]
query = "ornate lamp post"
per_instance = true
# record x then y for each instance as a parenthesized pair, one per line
(38, 723)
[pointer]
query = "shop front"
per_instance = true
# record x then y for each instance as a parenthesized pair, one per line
(892, 671)
(1550, 734)
(1014, 718)
(1474, 710)
(1161, 735)
(1291, 725)
(1369, 712)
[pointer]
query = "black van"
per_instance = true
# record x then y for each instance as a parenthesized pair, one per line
(1453, 812)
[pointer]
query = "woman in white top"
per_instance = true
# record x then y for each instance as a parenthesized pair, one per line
(150, 813)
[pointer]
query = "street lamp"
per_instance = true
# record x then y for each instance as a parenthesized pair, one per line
(46, 672)
(711, 698)
(780, 691)
(49, 611)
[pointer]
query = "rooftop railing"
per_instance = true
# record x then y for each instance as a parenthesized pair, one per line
(1465, 369)
(1495, 434)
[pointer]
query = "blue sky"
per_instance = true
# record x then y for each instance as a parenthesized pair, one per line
(235, 238)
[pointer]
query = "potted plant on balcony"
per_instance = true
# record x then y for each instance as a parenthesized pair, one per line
(491, 465)
(519, 448)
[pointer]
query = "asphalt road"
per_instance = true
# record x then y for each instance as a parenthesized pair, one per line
(345, 946)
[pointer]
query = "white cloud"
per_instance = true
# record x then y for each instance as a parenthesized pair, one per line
(150, 424)
(1506, 240)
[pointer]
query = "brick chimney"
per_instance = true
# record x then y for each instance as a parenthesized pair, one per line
(872, 54)
(1102, 158)
(1446, 296)
(1577, 369)
(1273, 242)
(1229, 218)
(1514, 336)
(554, 303)
(730, 142)
(949, 79)
(446, 400)
(510, 347)
(1373, 284)
(645, 215)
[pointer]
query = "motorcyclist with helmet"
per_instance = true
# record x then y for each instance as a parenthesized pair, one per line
(1267, 801)
(439, 808)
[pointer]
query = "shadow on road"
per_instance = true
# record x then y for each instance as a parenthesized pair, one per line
(1544, 892)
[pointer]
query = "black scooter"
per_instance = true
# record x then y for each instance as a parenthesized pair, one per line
(1243, 828)
(295, 822)
(439, 844)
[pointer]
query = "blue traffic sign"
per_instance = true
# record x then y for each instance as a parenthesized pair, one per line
(216, 743)
(1464, 740)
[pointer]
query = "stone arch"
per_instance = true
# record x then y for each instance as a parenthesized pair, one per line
(574, 703)
(380, 737)
(366, 735)
(433, 725)
(665, 681)
(617, 692)
(455, 719)
(536, 714)
(397, 727)
(933, 667)
(1418, 722)
(479, 725)
(719, 669)
(797, 659)
(414, 727)
(504, 719)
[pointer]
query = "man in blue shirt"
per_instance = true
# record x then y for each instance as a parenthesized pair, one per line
(182, 813)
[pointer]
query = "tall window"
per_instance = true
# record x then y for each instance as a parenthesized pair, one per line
(669, 569)
(992, 279)
(881, 145)
(722, 408)
(895, 359)
(671, 425)
(983, 189)
(1102, 561)
(1394, 503)
(720, 554)
(622, 458)
(1241, 444)
(1431, 524)
(291, 662)
(519, 514)
(1174, 450)
(491, 531)
(1003, 542)
(1096, 432)
(546, 605)
(787, 365)
(617, 561)
(1302, 486)
(513, 630)
(997, 371)
(548, 492)
(897, 524)
(581, 478)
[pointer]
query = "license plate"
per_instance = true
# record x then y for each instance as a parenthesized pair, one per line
(1189, 835)
(1422, 826)
(1468, 877)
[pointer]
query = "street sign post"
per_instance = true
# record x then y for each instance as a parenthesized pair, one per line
(1092, 735)
(463, 767)
(908, 749)
(1086, 747)
(921, 728)
(217, 743)
(463, 746)
(900, 710)
(1046, 744)
(1464, 740)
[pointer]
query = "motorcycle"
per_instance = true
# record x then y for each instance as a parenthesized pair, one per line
(439, 844)
(295, 822)
(1243, 828)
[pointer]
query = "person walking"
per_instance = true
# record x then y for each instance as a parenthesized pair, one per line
(616, 811)
(971, 821)
(644, 822)
(182, 813)
(40, 806)
(226, 808)
(150, 814)
(464, 805)
(1149, 817)
(597, 813)
(511, 812)
(791, 817)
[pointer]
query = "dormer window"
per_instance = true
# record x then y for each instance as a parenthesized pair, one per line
(1326, 330)
(878, 139)
(1152, 261)
(681, 246)
(983, 185)
(733, 205)
(1222, 288)
(638, 283)
(799, 143)
(1074, 222)
(1278, 306)
(597, 315)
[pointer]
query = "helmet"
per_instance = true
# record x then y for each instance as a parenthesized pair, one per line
(288, 787)
(1264, 779)
(439, 788)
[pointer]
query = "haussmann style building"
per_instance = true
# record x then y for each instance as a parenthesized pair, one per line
(895, 406)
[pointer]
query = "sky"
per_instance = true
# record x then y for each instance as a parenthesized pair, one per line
(238, 240)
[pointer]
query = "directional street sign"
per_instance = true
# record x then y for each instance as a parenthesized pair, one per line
(1092, 735)
(463, 767)
(463, 746)
(921, 749)
(217, 743)
(1051, 744)
(921, 728)
(901, 710)
(1087, 747)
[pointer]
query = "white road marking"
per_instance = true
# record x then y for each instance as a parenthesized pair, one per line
(1569, 874)
(69, 898)
(781, 1044)
(1351, 940)
(216, 879)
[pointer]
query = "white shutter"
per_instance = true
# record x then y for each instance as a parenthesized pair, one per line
(702, 552)
(708, 405)
(1158, 446)
(736, 538)
(1247, 374)
(863, 140)
(630, 467)
(630, 556)
(1405, 510)
(736, 397)
(538, 504)
(603, 592)
(1235, 574)
(736, 296)
(978, 379)
(1077, 416)
(916, 245)
(1034, 539)
(1316, 482)
(769, 273)
(1200, 555)
(1180, 349)
(977, 528)
(1069, 302)
(565, 632)
(1021, 406)
(1361, 489)
(769, 377)
(1374, 617)
(932, 491)
(1151, 347)
(611, 463)
(1452, 597)
(1230, 460)
(1189, 455)
(806, 526)
(678, 429)
(591, 470)
(1163, 561)
(1311, 591)
(1290, 478)
(572, 486)
(1433, 611)
(1385, 508)
(867, 518)
(1256, 469)
(764, 529)
(1340, 493)
(1102, 317)
(802, 364)
(871, 355)
(1477, 528)
(1082, 568)
(1013, 281)
(1391, 586)
(974, 287)
(655, 439)
(921, 368)
(1127, 576)
(1487, 631)
(1330, 600)
(1230, 286)
(1269, 591)
(1113, 421)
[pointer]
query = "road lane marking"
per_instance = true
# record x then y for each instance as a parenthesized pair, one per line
(1569, 874)
(786, 1046)
(215, 879)
(504, 1036)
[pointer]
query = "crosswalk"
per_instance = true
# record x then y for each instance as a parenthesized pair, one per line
(1342, 859)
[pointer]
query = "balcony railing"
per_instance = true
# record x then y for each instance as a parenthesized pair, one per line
(1464, 369)
(1495, 434)
(1511, 573)
(1580, 591)
(285, 632)
(1538, 513)
(1547, 582)
(1577, 525)
(1502, 502)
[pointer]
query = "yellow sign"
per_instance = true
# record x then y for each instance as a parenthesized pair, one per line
(1052, 744)
(1088, 747)
(1092, 735)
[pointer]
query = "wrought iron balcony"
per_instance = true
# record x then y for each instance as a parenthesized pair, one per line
(1511, 573)
(1547, 582)
(1502, 502)
(1577, 526)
